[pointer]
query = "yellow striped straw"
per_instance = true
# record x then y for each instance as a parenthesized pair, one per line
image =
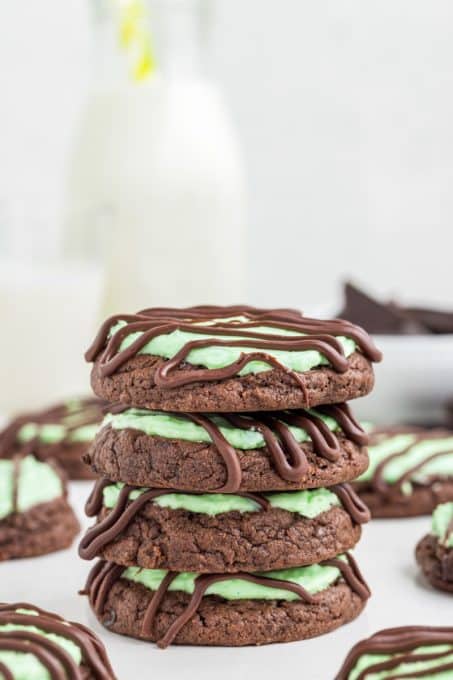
(135, 37)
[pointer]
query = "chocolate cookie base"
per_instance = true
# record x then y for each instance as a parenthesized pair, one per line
(233, 623)
(436, 563)
(177, 540)
(43, 529)
(133, 383)
(133, 457)
(421, 501)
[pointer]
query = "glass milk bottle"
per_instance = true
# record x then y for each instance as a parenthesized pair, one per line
(157, 166)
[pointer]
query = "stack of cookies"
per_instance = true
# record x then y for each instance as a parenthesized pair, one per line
(223, 511)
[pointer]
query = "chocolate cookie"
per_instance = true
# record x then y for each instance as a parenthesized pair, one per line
(221, 609)
(35, 516)
(216, 359)
(40, 645)
(434, 553)
(410, 472)
(62, 432)
(259, 452)
(406, 652)
(221, 533)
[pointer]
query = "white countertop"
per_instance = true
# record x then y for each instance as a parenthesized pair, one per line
(385, 555)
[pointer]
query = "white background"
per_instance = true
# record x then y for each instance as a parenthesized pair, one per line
(344, 110)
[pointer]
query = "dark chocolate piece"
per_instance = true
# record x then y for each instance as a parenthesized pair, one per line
(390, 318)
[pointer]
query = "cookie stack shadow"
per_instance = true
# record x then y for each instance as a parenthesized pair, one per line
(223, 510)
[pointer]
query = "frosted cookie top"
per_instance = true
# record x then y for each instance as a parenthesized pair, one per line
(43, 646)
(406, 652)
(228, 341)
(402, 457)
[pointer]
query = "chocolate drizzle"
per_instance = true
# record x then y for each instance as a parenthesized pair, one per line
(59, 664)
(16, 460)
(90, 412)
(202, 583)
(286, 452)
(352, 503)
(228, 453)
(351, 574)
(378, 482)
(104, 575)
(401, 643)
(125, 511)
(7, 675)
(309, 334)
(448, 532)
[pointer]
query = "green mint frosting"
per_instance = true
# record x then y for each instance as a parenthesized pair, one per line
(416, 454)
(218, 357)
(410, 669)
(26, 666)
(171, 426)
(313, 578)
(441, 521)
(37, 483)
(52, 433)
(309, 503)
(85, 433)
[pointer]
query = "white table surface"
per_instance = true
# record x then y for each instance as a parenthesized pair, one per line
(385, 554)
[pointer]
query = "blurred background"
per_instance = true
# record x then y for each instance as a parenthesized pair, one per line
(183, 151)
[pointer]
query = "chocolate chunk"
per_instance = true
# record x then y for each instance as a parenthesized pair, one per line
(379, 318)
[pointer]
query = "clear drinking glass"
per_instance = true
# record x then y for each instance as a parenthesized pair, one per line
(49, 306)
